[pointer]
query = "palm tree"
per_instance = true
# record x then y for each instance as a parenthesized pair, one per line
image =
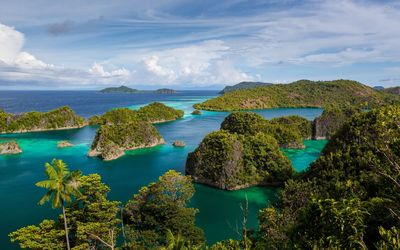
(62, 185)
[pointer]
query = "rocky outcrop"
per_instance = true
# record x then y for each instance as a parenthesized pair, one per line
(111, 141)
(196, 112)
(331, 120)
(64, 144)
(179, 144)
(10, 147)
(231, 161)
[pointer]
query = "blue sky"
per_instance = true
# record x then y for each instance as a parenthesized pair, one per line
(85, 44)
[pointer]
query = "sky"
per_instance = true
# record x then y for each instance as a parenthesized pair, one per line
(198, 44)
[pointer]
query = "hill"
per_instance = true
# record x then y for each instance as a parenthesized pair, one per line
(393, 90)
(243, 85)
(164, 91)
(303, 93)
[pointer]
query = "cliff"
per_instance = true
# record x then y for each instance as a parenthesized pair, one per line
(60, 118)
(298, 94)
(331, 120)
(232, 161)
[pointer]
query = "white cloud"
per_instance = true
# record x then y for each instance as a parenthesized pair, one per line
(11, 42)
(98, 70)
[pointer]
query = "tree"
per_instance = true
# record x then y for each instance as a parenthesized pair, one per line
(62, 186)
(159, 207)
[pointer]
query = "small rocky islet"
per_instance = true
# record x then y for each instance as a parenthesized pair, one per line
(10, 147)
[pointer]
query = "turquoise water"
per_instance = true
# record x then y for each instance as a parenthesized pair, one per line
(220, 212)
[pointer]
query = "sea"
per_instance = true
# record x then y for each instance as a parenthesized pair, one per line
(220, 214)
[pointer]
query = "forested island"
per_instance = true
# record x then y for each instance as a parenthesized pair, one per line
(303, 93)
(243, 85)
(347, 199)
(246, 151)
(127, 90)
(125, 129)
(60, 118)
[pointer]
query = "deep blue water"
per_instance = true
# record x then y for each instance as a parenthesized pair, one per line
(219, 210)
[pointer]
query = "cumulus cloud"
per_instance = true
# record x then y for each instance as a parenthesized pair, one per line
(11, 42)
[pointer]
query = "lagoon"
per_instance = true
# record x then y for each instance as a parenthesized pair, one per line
(219, 211)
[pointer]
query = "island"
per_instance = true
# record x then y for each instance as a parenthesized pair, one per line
(128, 90)
(303, 93)
(57, 119)
(64, 144)
(120, 89)
(178, 143)
(246, 151)
(243, 85)
(9, 147)
(124, 129)
(155, 112)
(165, 91)
(232, 161)
(111, 141)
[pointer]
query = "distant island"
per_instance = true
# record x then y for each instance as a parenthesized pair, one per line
(127, 90)
(300, 94)
(243, 85)
(392, 90)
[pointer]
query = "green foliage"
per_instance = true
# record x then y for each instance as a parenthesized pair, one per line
(92, 221)
(243, 85)
(47, 236)
(159, 207)
(390, 239)
(154, 112)
(302, 93)
(62, 117)
(229, 161)
(249, 123)
(348, 192)
(61, 184)
(158, 112)
(296, 123)
(331, 224)
(112, 140)
(227, 245)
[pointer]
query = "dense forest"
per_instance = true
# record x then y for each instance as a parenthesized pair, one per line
(347, 199)
(303, 93)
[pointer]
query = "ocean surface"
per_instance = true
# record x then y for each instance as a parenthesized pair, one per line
(219, 211)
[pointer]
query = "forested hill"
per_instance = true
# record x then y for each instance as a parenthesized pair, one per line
(303, 93)
(243, 85)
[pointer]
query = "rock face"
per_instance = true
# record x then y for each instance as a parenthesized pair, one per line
(61, 118)
(11, 147)
(64, 144)
(231, 161)
(331, 120)
(111, 141)
(178, 144)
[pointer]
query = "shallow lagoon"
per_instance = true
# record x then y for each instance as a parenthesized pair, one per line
(220, 212)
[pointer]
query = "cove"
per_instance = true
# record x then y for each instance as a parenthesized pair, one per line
(219, 211)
